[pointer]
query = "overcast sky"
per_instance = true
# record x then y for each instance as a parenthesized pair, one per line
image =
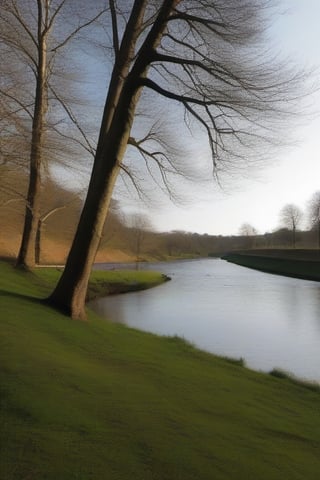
(294, 174)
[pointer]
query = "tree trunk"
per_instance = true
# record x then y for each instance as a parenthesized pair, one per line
(38, 242)
(26, 256)
(124, 92)
(70, 292)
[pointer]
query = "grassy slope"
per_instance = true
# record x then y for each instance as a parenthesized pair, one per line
(98, 400)
(106, 282)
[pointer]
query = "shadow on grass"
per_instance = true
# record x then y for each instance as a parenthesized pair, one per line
(20, 296)
(8, 259)
(39, 301)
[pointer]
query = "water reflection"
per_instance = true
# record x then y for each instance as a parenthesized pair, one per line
(269, 320)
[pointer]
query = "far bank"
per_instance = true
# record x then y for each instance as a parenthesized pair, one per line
(298, 263)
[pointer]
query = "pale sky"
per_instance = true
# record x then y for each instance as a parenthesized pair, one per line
(295, 173)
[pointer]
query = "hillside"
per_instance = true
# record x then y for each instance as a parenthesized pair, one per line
(94, 400)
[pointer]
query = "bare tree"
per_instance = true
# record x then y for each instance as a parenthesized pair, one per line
(290, 217)
(138, 224)
(314, 213)
(59, 213)
(33, 34)
(249, 232)
(206, 57)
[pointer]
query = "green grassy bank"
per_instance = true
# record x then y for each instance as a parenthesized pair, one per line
(280, 262)
(105, 282)
(96, 400)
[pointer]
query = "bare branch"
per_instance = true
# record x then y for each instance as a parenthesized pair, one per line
(146, 82)
(74, 120)
(49, 23)
(77, 30)
(44, 217)
(132, 179)
(17, 15)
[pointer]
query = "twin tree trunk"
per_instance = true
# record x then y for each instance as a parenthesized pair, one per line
(26, 255)
(70, 293)
(123, 95)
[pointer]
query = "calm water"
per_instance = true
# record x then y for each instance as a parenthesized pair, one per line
(270, 321)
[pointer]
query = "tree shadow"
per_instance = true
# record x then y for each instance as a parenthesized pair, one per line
(44, 301)
(8, 259)
(20, 296)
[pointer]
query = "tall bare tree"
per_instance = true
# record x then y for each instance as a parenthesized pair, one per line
(314, 213)
(33, 34)
(207, 58)
(291, 217)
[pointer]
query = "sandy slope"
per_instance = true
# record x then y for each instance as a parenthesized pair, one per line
(55, 252)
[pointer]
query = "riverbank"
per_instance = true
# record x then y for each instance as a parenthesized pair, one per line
(304, 264)
(100, 400)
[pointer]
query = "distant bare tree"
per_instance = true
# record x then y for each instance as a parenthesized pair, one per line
(206, 58)
(249, 232)
(314, 213)
(291, 217)
(138, 224)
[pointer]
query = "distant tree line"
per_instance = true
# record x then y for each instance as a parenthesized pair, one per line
(289, 233)
(132, 237)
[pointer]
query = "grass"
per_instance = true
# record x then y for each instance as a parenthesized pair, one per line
(279, 373)
(96, 400)
(107, 282)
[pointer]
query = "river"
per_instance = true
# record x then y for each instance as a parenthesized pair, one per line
(268, 320)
